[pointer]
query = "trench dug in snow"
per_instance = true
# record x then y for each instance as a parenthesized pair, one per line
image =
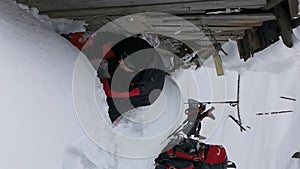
(142, 133)
(145, 136)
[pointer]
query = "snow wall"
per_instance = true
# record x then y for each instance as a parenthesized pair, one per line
(38, 121)
(39, 124)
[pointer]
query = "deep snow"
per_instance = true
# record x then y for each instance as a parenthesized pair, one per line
(39, 127)
(37, 121)
(58, 25)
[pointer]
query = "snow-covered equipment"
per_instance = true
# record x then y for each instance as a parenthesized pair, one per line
(184, 151)
(192, 124)
(198, 154)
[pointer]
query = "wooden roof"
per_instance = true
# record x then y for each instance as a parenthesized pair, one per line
(218, 19)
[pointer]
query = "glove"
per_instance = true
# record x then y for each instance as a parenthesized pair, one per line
(103, 69)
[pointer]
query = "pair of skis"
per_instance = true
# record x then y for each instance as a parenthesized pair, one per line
(193, 112)
(278, 112)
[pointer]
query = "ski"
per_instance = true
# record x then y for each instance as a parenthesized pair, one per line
(178, 130)
(239, 123)
(296, 155)
(274, 112)
(195, 113)
(288, 98)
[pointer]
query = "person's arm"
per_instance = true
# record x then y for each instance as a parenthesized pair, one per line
(109, 53)
(109, 93)
(151, 79)
(150, 88)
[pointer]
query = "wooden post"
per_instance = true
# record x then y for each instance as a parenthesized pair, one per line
(293, 5)
(244, 48)
(283, 18)
(218, 63)
(272, 4)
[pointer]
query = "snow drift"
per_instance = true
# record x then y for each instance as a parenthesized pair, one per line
(38, 121)
(39, 126)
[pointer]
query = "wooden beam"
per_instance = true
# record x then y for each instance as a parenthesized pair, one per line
(218, 64)
(294, 9)
(244, 48)
(284, 24)
(193, 29)
(54, 5)
(216, 24)
(232, 28)
(166, 18)
(272, 4)
(257, 16)
(241, 20)
(295, 23)
(69, 9)
(230, 33)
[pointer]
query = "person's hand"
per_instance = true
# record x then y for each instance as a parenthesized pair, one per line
(103, 69)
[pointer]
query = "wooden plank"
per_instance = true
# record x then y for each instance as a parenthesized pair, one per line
(258, 17)
(160, 18)
(244, 48)
(69, 9)
(216, 23)
(54, 5)
(212, 28)
(188, 36)
(182, 33)
(233, 28)
(218, 64)
(295, 23)
(223, 20)
(134, 25)
(293, 5)
(119, 11)
(230, 33)
(271, 4)
(196, 37)
(284, 24)
(243, 20)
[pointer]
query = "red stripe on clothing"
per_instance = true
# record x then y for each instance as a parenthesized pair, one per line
(109, 93)
(109, 54)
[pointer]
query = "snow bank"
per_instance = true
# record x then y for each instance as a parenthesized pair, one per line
(275, 59)
(272, 139)
(59, 25)
(38, 121)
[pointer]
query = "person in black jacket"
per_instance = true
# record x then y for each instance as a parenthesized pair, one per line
(132, 74)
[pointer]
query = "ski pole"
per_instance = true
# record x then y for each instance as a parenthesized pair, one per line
(275, 112)
(231, 103)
